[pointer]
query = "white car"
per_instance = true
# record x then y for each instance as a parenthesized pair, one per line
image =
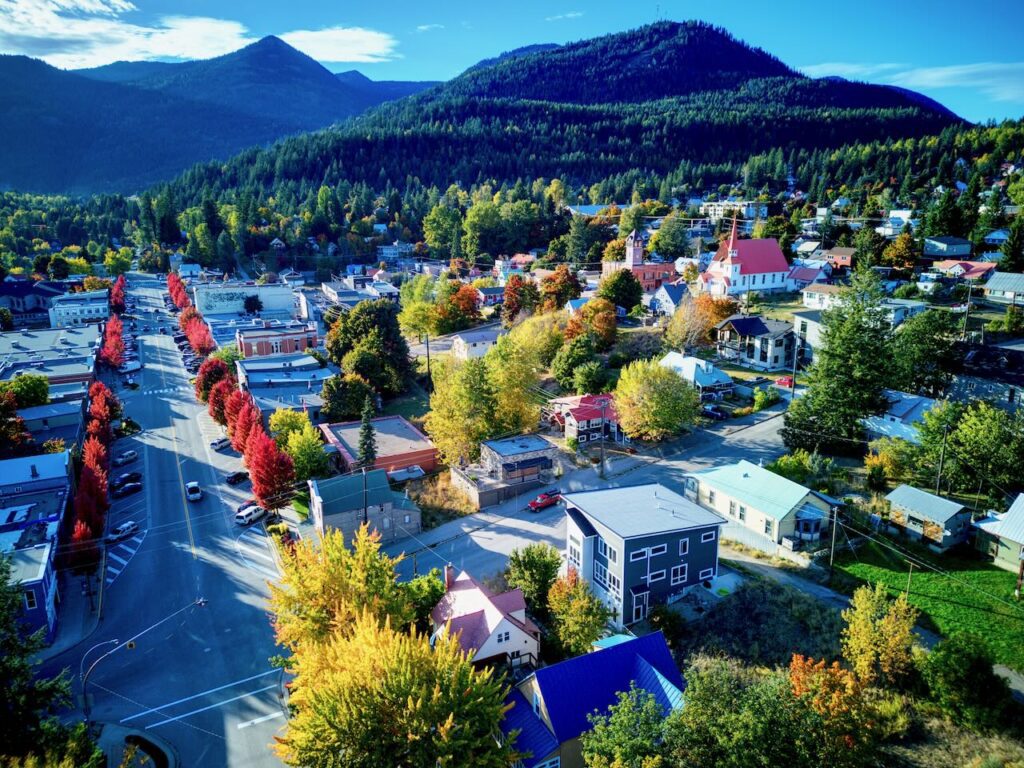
(193, 492)
(249, 515)
(220, 444)
(124, 530)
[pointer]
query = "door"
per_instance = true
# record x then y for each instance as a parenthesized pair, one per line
(640, 606)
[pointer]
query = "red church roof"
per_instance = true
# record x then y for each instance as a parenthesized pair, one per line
(754, 256)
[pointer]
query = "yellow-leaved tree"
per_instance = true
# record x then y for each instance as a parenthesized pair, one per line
(878, 638)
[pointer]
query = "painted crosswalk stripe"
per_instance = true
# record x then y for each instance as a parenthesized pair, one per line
(113, 570)
(121, 560)
(127, 549)
(251, 551)
(136, 539)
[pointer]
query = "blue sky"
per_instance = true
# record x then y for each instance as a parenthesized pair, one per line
(967, 56)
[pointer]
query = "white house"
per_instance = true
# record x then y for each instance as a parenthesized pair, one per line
(472, 344)
(746, 265)
(494, 628)
(904, 411)
(709, 381)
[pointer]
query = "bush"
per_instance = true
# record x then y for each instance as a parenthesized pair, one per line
(906, 291)
(617, 360)
(671, 624)
(962, 683)
(893, 715)
(572, 444)
(876, 480)
(744, 411)
(764, 398)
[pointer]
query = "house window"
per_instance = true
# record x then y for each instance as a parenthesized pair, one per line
(711, 497)
(536, 702)
(582, 438)
(387, 523)
(679, 574)
(684, 547)
(503, 637)
(768, 527)
(609, 552)
(707, 573)
(706, 537)
(743, 512)
(660, 549)
(656, 576)
(30, 600)
(638, 554)
(407, 519)
(732, 508)
(554, 762)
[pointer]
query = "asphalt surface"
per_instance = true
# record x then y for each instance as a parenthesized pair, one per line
(201, 680)
(480, 544)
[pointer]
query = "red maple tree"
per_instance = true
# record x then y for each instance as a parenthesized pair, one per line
(218, 398)
(210, 372)
(117, 295)
(95, 455)
(112, 352)
(271, 470)
(248, 417)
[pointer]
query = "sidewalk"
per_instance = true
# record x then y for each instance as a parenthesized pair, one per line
(76, 618)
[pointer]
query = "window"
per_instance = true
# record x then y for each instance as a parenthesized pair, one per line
(387, 523)
(656, 576)
(732, 508)
(743, 513)
(706, 537)
(707, 573)
(659, 549)
(609, 552)
(711, 497)
(684, 546)
(638, 554)
(582, 438)
(407, 519)
(767, 527)
(30, 600)
(536, 702)
(679, 574)
(574, 556)
(503, 637)
(554, 762)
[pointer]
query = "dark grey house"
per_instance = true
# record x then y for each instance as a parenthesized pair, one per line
(640, 546)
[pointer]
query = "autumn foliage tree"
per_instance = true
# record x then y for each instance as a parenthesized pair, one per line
(577, 615)
(248, 417)
(210, 372)
(596, 317)
(176, 288)
(218, 398)
(112, 352)
(521, 298)
(271, 470)
(117, 295)
(558, 287)
(199, 338)
(232, 407)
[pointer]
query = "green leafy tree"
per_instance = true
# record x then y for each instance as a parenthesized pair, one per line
(630, 735)
(573, 354)
(961, 680)
(462, 409)
(589, 378)
(307, 452)
(988, 446)
(578, 617)
(253, 305)
(372, 330)
(484, 230)
(344, 396)
(29, 389)
(512, 375)
(653, 402)
(283, 422)
(424, 592)
(367, 436)
(1013, 249)
(924, 353)
(442, 227)
(228, 354)
(672, 240)
(622, 289)
(117, 262)
(533, 569)
(6, 319)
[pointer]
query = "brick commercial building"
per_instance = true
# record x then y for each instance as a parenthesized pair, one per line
(399, 444)
(276, 339)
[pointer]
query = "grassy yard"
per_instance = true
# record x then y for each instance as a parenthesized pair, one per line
(412, 405)
(778, 306)
(970, 599)
(300, 503)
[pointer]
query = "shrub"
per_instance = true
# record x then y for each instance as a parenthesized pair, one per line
(744, 411)
(764, 398)
(572, 444)
(962, 683)
(672, 625)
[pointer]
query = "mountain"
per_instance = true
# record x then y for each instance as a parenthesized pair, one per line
(655, 99)
(126, 125)
(384, 90)
(525, 50)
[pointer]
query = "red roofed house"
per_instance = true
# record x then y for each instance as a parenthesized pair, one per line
(972, 271)
(746, 265)
(650, 274)
(586, 418)
(494, 628)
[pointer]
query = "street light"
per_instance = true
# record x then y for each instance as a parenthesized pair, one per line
(130, 642)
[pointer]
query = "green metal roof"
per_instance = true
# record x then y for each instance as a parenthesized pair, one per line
(345, 492)
(755, 487)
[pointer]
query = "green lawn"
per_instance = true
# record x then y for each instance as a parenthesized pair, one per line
(965, 601)
(300, 503)
(412, 405)
(778, 306)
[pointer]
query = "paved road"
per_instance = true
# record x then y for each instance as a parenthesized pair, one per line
(481, 543)
(202, 680)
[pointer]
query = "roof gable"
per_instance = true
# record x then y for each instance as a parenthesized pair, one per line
(759, 488)
(754, 257)
(928, 505)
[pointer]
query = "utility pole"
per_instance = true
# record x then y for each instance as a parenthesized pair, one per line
(430, 381)
(365, 505)
(832, 549)
(967, 310)
(1020, 577)
(798, 344)
(942, 458)
(604, 405)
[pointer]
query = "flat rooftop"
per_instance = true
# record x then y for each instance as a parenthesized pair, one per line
(394, 435)
(513, 446)
(48, 340)
(642, 510)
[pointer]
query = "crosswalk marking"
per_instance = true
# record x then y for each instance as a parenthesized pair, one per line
(121, 560)
(126, 548)
(113, 571)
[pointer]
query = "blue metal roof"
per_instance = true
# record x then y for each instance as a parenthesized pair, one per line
(612, 640)
(579, 687)
(927, 505)
(534, 737)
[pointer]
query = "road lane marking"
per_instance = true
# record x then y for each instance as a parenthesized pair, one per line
(211, 706)
(258, 720)
(126, 548)
(121, 560)
(136, 539)
(202, 693)
(181, 488)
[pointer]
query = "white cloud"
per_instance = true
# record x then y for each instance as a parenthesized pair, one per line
(564, 16)
(343, 44)
(429, 27)
(89, 33)
(1000, 81)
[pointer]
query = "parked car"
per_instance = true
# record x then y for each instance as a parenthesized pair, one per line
(125, 478)
(220, 444)
(545, 500)
(192, 491)
(125, 458)
(714, 413)
(236, 477)
(124, 530)
(245, 504)
(786, 382)
(126, 490)
(249, 515)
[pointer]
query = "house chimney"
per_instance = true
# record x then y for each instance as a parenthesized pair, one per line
(33, 471)
(449, 576)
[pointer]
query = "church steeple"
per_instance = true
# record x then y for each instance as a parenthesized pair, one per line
(733, 253)
(634, 249)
